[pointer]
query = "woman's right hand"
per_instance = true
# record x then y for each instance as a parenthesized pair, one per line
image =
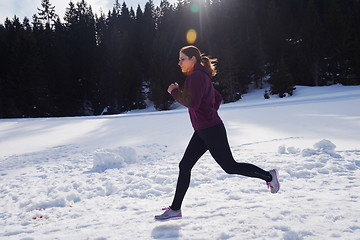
(172, 87)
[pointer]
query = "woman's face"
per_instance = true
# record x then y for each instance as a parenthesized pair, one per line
(186, 64)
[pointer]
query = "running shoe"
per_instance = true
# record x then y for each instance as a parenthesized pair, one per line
(169, 214)
(274, 185)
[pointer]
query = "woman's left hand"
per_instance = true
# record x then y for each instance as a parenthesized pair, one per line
(172, 87)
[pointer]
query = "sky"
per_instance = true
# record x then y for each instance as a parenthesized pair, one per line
(27, 8)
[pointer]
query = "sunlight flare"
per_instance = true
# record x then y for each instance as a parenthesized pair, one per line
(194, 8)
(191, 36)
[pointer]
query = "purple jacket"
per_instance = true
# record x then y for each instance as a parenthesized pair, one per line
(200, 97)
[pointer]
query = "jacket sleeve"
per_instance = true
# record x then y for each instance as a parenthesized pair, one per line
(192, 95)
(181, 96)
(218, 99)
(174, 93)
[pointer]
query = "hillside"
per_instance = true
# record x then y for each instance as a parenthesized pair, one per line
(105, 177)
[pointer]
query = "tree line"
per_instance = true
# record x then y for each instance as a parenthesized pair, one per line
(88, 64)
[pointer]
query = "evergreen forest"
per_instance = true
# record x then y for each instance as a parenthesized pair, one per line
(89, 64)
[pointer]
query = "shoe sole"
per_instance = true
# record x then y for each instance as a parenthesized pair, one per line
(168, 219)
(277, 181)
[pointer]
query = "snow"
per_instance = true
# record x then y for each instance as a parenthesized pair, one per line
(105, 177)
(114, 158)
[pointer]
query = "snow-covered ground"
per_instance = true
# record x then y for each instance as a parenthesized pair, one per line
(106, 177)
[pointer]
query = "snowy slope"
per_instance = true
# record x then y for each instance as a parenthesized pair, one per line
(106, 177)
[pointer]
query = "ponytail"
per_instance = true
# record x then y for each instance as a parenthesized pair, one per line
(208, 63)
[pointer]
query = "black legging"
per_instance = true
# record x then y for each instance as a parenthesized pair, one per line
(215, 140)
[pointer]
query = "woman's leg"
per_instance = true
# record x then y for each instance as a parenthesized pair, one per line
(216, 141)
(195, 149)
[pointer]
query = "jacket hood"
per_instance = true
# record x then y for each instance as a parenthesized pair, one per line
(199, 67)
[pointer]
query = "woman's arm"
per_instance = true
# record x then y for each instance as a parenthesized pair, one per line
(193, 92)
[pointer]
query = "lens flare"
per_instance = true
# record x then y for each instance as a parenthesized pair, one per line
(194, 8)
(191, 36)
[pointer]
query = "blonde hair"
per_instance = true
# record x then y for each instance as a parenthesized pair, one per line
(207, 62)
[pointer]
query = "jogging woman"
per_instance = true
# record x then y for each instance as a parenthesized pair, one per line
(203, 102)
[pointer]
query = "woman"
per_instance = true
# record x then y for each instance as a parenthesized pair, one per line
(203, 102)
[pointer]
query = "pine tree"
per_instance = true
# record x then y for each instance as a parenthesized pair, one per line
(335, 45)
(117, 8)
(3, 63)
(149, 35)
(47, 13)
(353, 51)
(231, 49)
(63, 88)
(351, 42)
(281, 81)
(163, 65)
(80, 22)
(256, 46)
(273, 34)
(26, 87)
(309, 46)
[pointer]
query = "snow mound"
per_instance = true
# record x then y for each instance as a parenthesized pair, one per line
(113, 158)
(48, 203)
(322, 147)
(282, 149)
(325, 146)
(285, 150)
(293, 150)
